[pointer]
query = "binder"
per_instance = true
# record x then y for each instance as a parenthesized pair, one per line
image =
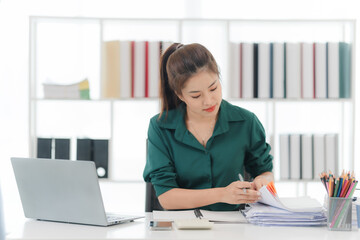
(83, 149)
(44, 146)
(101, 156)
(62, 148)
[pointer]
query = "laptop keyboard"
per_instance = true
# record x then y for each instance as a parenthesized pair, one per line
(114, 218)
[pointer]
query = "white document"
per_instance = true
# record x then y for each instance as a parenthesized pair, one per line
(299, 204)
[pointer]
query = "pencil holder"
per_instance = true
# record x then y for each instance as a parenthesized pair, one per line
(339, 214)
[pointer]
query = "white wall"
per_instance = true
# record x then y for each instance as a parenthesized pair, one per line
(14, 52)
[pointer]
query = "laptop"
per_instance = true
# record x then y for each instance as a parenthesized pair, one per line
(62, 191)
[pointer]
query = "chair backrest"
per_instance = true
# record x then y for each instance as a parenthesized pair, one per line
(151, 200)
(2, 224)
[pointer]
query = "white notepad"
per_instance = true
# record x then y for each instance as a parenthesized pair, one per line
(213, 216)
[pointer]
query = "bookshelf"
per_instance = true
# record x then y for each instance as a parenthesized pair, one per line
(83, 42)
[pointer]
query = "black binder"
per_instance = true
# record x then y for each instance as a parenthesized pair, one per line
(44, 147)
(62, 148)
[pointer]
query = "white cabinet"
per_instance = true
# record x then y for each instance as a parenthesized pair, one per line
(66, 50)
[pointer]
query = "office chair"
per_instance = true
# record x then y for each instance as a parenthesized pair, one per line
(151, 200)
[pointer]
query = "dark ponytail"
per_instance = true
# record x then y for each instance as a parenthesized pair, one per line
(178, 64)
(169, 99)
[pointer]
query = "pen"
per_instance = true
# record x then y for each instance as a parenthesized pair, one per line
(242, 180)
(198, 214)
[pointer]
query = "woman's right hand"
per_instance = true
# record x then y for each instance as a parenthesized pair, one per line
(240, 192)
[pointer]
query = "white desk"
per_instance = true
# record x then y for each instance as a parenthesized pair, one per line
(34, 230)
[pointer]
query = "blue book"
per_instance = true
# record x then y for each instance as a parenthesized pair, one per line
(345, 69)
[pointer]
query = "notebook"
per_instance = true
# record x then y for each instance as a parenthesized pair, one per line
(62, 191)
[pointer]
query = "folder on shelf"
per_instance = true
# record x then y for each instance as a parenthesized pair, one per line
(247, 66)
(235, 70)
(333, 70)
(307, 63)
(264, 70)
(332, 152)
(295, 156)
(320, 70)
(307, 157)
(153, 73)
(110, 84)
(345, 69)
(319, 153)
(293, 70)
(284, 156)
(278, 70)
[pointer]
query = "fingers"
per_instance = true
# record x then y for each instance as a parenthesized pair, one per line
(244, 184)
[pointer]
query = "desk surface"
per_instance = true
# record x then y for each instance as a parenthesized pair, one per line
(32, 229)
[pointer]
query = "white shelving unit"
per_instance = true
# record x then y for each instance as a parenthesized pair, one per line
(277, 115)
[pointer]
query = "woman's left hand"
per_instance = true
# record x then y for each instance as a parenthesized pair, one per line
(263, 180)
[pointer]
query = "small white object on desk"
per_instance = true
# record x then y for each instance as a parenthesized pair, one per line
(183, 224)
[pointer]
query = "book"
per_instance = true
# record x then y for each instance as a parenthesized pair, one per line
(307, 157)
(278, 70)
(295, 156)
(320, 71)
(125, 69)
(247, 66)
(264, 70)
(79, 90)
(284, 156)
(307, 70)
(333, 70)
(332, 153)
(139, 69)
(235, 70)
(62, 148)
(44, 146)
(293, 70)
(319, 153)
(110, 83)
(154, 69)
(345, 69)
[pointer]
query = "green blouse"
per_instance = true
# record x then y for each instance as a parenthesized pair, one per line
(175, 159)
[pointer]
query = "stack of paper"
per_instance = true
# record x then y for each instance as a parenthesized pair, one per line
(271, 210)
(261, 214)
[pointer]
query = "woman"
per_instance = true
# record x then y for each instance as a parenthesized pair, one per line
(199, 143)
